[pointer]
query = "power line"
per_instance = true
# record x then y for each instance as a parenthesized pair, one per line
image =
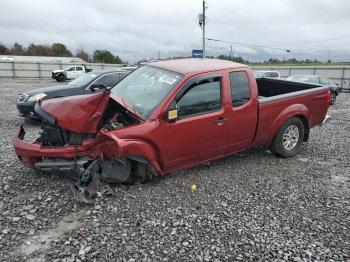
(302, 52)
(339, 37)
(248, 45)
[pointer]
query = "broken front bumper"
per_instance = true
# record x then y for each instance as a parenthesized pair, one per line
(45, 158)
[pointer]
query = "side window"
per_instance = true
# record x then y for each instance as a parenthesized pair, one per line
(109, 80)
(314, 80)
(323, 81)
(79, 68)
(240, 88)
(202, 97)
(273, 74)
(71, 69)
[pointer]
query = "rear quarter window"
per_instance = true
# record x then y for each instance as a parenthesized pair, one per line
(240, 88)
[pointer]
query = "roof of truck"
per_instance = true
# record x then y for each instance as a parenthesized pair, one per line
(195, 65)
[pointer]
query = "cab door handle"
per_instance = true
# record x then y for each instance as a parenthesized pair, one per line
(221, 120)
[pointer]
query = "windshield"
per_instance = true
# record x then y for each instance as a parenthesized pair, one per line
(146, 87)
(83, 80)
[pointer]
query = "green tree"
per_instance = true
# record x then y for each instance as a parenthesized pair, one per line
(82, 54)
(38, 50)
(104, 56)
(237, 59)
(17, 49)
(117, 60)
(3, 50)
(58, 49)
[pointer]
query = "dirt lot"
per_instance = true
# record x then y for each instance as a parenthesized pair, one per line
(248, 207)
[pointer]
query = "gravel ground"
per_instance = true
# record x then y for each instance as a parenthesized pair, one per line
(248, 207)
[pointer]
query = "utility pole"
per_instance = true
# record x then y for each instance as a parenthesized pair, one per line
(203, 29)
(231, 53)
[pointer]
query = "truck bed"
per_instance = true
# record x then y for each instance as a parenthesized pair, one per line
(268, 88)
(279, 98)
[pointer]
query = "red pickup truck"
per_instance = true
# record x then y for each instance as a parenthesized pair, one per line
(171, 115)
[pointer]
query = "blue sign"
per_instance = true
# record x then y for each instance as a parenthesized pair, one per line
(197, 53)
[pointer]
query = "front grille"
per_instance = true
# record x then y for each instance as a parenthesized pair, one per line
(55, 136)
(23, 98)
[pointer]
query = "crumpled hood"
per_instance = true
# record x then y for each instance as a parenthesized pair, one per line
(79, 114)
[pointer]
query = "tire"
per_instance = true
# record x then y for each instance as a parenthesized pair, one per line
(333, 98)
(289, 138)
(61, 78)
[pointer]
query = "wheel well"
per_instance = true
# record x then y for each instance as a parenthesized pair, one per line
(306, 127)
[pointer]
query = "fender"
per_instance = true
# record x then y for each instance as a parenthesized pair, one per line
(289, 112)
(135, 148)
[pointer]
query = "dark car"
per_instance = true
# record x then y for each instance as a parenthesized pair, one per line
(85, 84)
(318, 80)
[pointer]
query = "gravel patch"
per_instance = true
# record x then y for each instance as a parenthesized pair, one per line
(249, 207)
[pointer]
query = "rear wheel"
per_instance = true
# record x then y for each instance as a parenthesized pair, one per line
(289, 138)
(333, 98)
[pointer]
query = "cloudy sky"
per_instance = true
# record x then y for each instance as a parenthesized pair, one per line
(135, 29)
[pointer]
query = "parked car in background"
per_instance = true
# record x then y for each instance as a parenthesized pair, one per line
(269, 74)
(345, 87)
(171, 115)
(70, 72)
(85, 84)
(318, 80)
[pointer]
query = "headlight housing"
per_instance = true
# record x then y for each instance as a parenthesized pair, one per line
(37, 97)
(23, 98)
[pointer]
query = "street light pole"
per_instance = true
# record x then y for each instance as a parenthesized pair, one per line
(203, 29)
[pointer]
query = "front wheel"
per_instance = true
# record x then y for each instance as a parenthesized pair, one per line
(61, 78)
(333, 98)
(289, 138)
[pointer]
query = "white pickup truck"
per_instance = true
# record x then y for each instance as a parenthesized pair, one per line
(70, 72)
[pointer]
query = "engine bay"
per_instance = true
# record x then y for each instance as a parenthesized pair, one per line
(114, 117)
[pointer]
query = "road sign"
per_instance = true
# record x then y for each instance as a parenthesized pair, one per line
(197, 53)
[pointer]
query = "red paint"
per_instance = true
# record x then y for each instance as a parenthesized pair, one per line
(171, 146)
(79, 114)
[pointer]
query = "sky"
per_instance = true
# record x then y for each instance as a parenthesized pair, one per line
(135, 29)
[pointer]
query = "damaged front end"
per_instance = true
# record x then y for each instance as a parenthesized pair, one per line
(77, 137)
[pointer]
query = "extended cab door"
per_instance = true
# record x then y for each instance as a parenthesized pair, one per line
(71, 73)
(243, 113)
(199, 133)
(79, 71)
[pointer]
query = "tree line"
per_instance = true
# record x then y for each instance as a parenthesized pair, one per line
(60, 50)
(105, 56)
(273, 61)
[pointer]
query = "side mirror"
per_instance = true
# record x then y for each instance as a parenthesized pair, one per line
(172, 114)
(97, 86)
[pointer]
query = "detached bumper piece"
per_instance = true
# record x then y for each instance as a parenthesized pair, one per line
(325, 120)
